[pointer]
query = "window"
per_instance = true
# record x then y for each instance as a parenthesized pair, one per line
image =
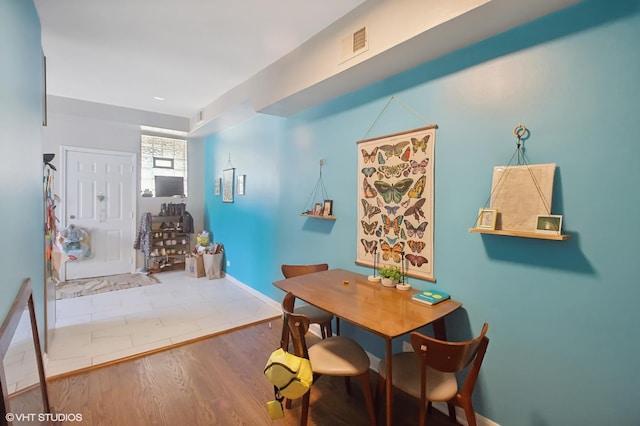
(162, 156)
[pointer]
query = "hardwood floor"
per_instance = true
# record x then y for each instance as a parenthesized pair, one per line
(216, 381)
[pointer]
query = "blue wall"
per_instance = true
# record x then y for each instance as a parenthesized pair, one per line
(563, 315)
(21, 205)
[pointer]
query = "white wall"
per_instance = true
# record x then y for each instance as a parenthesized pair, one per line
(90, 125)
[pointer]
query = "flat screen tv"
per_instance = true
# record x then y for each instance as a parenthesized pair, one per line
(168, 186)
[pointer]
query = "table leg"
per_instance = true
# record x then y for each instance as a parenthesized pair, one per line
(439, 329)
(389, 382)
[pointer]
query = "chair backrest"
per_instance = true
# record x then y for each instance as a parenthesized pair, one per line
(450, 357)
(290, 271)
(296, 324)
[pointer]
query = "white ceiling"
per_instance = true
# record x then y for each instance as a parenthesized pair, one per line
(218, 62)
(190, 52)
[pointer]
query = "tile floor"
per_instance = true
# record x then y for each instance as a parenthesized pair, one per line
(91, 330)
(20, 365)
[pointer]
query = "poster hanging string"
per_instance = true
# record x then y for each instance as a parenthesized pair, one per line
(405, 106)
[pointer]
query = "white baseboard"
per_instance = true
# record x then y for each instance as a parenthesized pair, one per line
(461, 418)
(253, 292)
(315, 329)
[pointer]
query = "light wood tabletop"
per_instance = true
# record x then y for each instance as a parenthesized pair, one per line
(384, 311)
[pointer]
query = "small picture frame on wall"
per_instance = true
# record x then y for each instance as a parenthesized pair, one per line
(327, 210)
(240, 184)
(227, 185)
(317, 209)
(216, 186)
(549, 224)
(487, 218)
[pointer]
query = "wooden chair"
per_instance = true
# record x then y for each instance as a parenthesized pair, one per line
(315, 315)
(428, 373)
(334, 356)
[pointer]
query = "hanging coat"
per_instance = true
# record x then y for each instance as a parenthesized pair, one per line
(143, 239)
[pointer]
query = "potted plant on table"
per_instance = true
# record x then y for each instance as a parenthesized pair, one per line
(390, 275)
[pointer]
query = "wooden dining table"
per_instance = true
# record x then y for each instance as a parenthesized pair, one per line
(384, 311)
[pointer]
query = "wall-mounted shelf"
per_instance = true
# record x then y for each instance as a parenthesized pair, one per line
(513, 203)
(316, 216)
(319, 205)
(523, 234)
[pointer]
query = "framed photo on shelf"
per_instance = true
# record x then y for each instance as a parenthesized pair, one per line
(327, 210)
(317, 209)
(216, 186)
(549, 224)
(487, 218)
(227, 185)
(240, 184)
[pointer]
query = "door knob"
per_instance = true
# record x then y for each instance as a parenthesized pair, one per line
(73, 216)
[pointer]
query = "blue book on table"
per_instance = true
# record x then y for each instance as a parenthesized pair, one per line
(431, 297)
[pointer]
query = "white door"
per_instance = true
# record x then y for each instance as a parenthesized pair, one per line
(99, 197)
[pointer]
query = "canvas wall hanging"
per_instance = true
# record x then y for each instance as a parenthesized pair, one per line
(395, 201)
(520, 193)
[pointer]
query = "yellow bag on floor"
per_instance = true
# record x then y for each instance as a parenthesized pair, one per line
(291, 375)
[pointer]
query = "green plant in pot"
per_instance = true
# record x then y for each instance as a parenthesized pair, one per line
(390, 274)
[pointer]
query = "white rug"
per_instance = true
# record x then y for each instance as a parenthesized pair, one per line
(95, 285)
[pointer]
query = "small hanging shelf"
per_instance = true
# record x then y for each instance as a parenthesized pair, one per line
(319, 208)
(522, 234)
(521, 133)
(317, 216)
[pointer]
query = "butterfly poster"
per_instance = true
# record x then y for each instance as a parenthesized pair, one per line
(395, 201)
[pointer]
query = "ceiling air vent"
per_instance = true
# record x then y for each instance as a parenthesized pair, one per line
(360, 39)
(354, 44)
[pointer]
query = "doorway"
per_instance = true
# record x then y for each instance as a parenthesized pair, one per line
(99, 196)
